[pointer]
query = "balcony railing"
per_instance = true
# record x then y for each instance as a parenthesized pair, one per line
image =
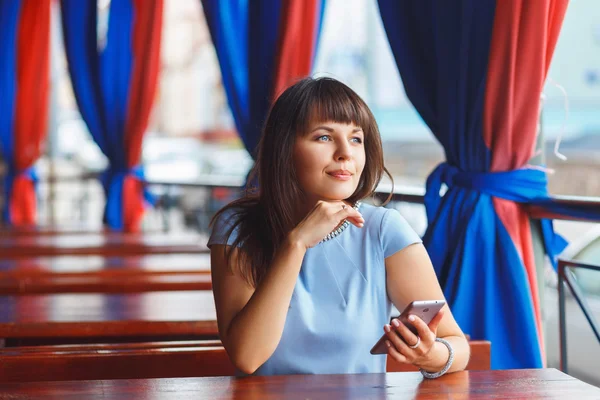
(566, 277)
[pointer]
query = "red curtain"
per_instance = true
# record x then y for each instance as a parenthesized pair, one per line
(297, 42)
(31, 111)
(523, 41)
(144, 78)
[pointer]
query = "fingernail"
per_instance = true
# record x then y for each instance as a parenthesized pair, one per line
(387, 328)
(396, 323)
(411, 318)
(388, 344)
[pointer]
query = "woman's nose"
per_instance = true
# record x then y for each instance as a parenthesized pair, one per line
(343, 152)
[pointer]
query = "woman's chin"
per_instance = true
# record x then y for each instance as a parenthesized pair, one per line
(337, 196)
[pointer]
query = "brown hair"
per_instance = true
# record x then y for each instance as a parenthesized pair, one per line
(265, 215)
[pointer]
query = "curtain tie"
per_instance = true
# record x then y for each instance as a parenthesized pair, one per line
(525, 186)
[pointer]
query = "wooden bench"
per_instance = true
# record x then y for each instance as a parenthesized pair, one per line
(117, 361)
(78, 274)
(144, 360)
(106, 282)
(99, 244)
(102, 318)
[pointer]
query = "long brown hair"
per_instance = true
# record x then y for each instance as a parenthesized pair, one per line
(265, 215)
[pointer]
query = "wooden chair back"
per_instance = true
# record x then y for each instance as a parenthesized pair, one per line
(145, 360)
(480, 359)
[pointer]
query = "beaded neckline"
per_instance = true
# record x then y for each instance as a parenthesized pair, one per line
(339, 229)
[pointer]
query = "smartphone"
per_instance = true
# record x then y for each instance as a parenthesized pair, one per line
(425, 309)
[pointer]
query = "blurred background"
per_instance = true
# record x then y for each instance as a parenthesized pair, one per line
(192, 135)
(192, 139)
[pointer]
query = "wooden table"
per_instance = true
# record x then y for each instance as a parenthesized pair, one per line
(96, 274)
(530, 384)
(100, 244)
(79, 229)
(102, 318)
(104, 282)
(98, 263)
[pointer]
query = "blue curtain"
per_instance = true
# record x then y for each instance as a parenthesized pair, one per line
(101, 81)
(9, 21)
(245, 39)
(442, 51)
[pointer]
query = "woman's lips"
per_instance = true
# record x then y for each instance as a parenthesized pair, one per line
(340, 176)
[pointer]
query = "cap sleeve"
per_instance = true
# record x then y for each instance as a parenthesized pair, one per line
(396, 233)
(221, 228)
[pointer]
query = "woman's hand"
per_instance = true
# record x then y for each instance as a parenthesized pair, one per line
(322, 219)
(400, 340)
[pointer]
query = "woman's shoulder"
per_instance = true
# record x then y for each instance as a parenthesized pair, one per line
(390, 227)
(228, 215)
(375, 215)
(224, 226)
(371, 211)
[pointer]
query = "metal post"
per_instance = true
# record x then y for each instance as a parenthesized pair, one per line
(562, 319)
(52, 138)
(166, 214)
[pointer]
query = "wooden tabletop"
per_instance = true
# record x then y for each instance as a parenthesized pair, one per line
(69, 318)
(79, 229)
(125, 281)
(95, 274)
(100, 244)
(530, 384)
(82, 264)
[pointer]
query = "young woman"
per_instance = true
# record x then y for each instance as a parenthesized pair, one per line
(304, 275)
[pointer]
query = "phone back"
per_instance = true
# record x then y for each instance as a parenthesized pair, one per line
(424, 309)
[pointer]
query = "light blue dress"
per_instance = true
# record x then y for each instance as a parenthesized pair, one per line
(340, 303)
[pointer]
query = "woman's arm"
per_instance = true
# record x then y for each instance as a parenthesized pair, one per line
(251, 321)
(410, 276)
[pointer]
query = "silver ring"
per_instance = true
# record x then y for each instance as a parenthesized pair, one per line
(414, 346)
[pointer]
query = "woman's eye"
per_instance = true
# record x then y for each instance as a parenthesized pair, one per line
(357, 140)
(323, 138)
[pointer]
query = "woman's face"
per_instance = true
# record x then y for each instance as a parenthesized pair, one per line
(329, 160)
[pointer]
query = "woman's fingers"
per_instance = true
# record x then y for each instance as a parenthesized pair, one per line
(403, 339)
(425, 334)
(351, 215)
(435, 322)
(395, 354)
(323, 219)
(359, 222)
(396, 339)
(409, 337)
(422, 328)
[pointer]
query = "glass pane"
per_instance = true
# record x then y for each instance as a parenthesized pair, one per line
(576, 68)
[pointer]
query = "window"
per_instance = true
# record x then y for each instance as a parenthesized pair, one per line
(576, 68)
